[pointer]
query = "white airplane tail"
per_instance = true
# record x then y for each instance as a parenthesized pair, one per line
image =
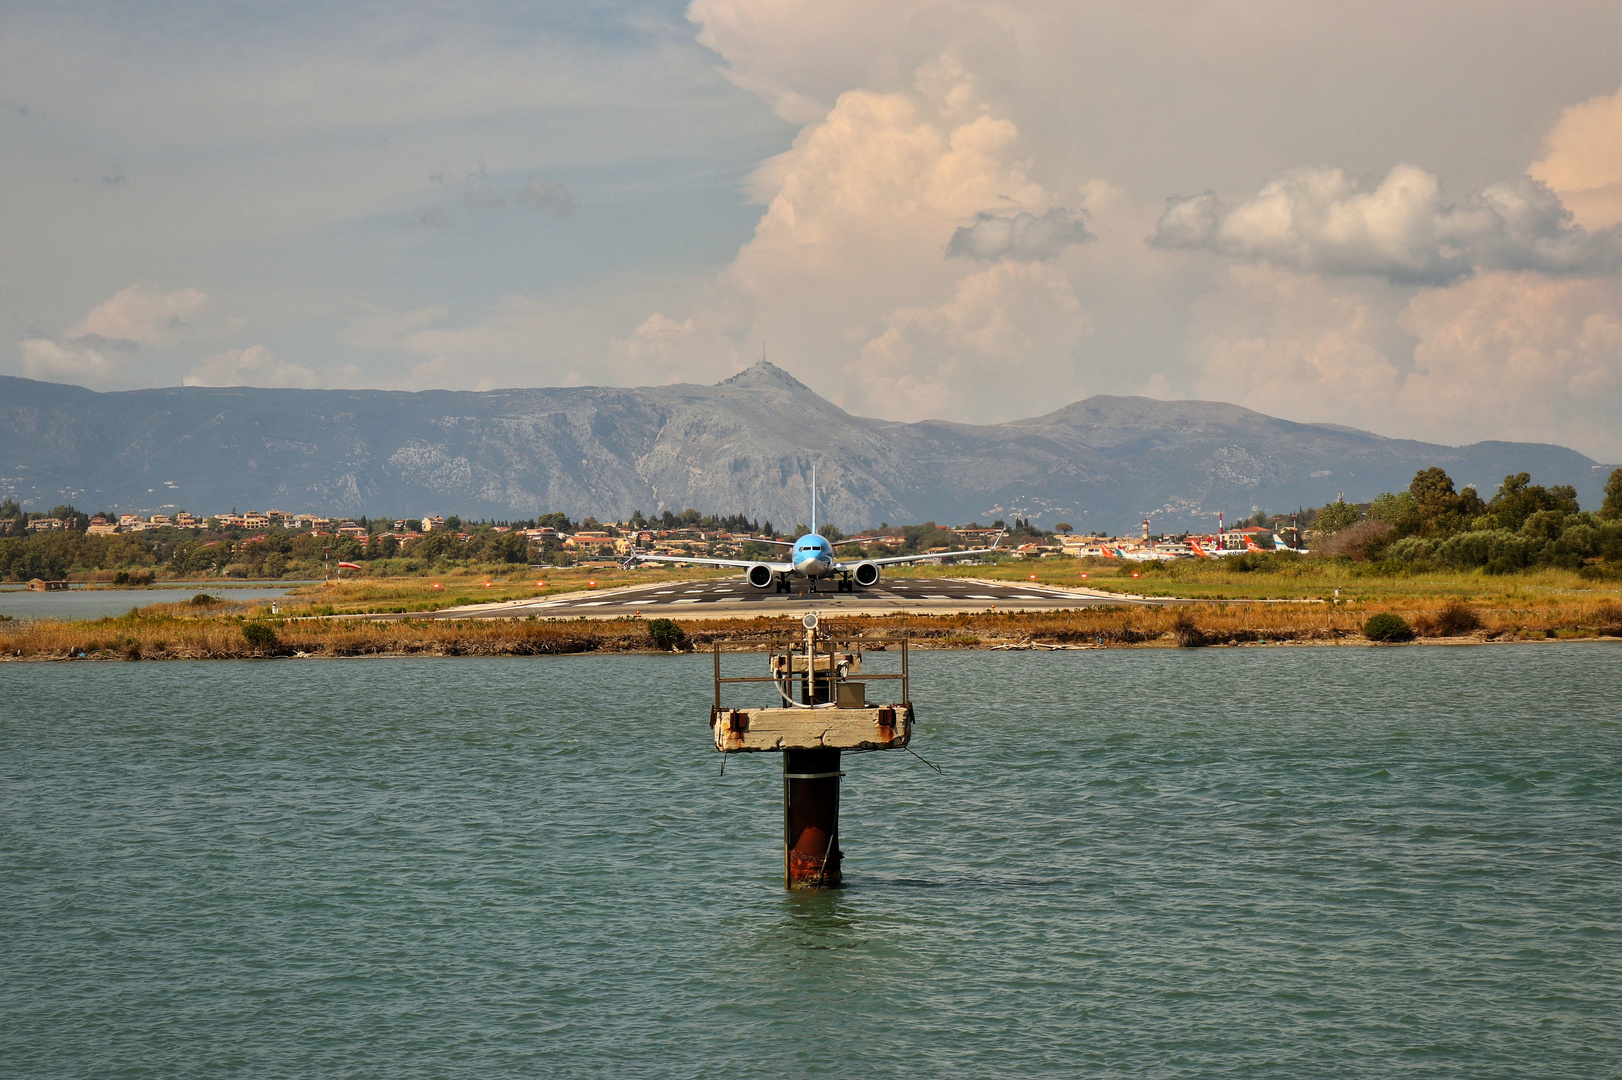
(813, 500)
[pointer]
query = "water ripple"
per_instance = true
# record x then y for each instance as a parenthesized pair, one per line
(1255, 863)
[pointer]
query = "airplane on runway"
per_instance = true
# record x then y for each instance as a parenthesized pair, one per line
(812, 559)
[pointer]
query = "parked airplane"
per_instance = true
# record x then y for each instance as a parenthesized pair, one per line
(1158, 553)
(1280, 544)
(812, 559)
(1217, 548)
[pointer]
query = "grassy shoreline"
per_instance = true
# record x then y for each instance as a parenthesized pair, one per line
(184, 631)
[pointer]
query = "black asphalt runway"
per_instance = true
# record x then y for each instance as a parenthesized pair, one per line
(735, 598)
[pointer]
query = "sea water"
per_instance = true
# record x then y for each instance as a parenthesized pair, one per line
(102, 603)
(1284, 862)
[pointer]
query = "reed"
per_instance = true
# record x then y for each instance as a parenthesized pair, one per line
(184, 631)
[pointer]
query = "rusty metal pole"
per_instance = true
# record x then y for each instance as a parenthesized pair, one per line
(811, 819)
(811, 854)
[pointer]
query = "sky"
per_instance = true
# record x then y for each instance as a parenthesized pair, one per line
(1394, 216)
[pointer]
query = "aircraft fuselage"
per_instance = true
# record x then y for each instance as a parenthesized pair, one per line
(813, 557)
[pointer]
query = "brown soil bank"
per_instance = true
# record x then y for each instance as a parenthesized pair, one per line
(185, 632)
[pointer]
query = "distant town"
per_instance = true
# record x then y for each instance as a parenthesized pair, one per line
(595, 539)
(1524, 525)
(276, 543)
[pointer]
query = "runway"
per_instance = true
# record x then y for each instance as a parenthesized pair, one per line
(734, 598)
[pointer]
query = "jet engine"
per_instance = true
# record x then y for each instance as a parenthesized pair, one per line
(760, 576)
(867, 574)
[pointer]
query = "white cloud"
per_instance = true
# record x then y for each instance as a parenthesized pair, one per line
(995, 349)
(1498, 356)
(1584, 161)
(1023, 237)
(131, 332)
(1323, 221)
(1519, 356)
(846, 264)
(253, 366)
(82, 363)
(147, 316)
(1301, 346)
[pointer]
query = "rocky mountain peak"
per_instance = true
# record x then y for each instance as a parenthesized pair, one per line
(763, 375)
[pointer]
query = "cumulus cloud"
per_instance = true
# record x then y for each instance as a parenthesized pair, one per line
(981, 350)
(100, 349)
(1496, 356)
(144, 314)
(858, 213)
(1021, 237)
(1584, 161)
(1519, 356)
(254, 366)
(75, 362)
(1323, 221)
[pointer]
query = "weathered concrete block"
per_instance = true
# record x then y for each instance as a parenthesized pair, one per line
(757, 731)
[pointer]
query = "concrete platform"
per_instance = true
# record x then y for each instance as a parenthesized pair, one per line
(762, 731)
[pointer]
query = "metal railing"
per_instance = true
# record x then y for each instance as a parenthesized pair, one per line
(817, 680)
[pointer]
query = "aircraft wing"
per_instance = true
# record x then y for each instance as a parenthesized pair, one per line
(777, 567)
(891, 560)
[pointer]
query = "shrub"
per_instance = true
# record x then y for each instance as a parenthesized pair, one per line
(666, 634)
(1456, 618)
(202, 599)
(1387, 626)
(259, 635)
(1353, 542)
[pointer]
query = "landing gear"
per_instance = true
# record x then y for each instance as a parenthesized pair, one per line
(846, 584)
(783, 585)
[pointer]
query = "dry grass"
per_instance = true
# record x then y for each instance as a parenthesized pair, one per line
(186, 631)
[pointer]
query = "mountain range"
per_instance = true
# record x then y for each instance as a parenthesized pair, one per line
(744, 445)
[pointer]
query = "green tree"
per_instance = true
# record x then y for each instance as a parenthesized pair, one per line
(1337, 516)
(1610, 509)
(1518, 499)
(1434, 508)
